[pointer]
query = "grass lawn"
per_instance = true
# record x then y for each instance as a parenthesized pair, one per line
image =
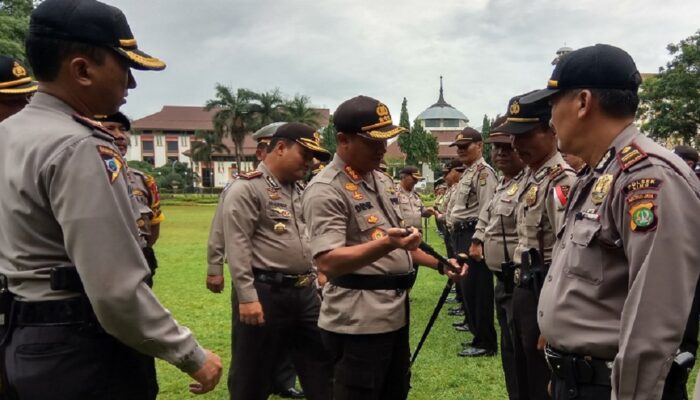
(179, 283)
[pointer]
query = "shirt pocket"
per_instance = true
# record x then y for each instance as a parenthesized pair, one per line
(504, 209)
(371, 223)
(584, 260)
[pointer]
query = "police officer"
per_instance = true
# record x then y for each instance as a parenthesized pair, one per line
(275, 307)
(495, 240)
(283, 376)
(359, 242)
(144, 191)
(16, 87)
(618, 294)
(541, 199)
(84, 323)
(410, 203)
(474, 192)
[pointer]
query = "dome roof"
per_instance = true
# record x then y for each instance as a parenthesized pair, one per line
(442, 110)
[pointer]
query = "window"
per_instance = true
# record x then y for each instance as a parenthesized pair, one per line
(150, 159)
(450, 123)
(159, 140)
(147, 146)
(172, 146)
(431, 123)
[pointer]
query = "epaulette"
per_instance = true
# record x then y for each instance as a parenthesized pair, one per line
(630, 155)
(250, 175)
(92, 124)
(352, 174)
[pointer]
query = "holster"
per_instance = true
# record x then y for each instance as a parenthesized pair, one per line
(507, 276)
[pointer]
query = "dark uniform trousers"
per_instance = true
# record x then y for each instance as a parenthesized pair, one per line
(449, 247)
(75, 361)
(584, 392)
(533, 374)
(504, 315)
(370, 367)
(477, 293)
(291, 317)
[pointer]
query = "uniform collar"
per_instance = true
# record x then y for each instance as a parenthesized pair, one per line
(353, 175)
(269, 177)
(45, 100)
(476, 163)
(553, 161)
(621, 140)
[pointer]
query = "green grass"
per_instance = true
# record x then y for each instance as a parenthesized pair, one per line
(181, 250)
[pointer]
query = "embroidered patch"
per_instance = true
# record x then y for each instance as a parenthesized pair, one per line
(378, 234)
(644, 183)
(540, 175)
(363, 206)
(282, 212)
(351, 186)
(280, 228)
(643, 218)
(482, 178)
(512, 190)
(531, 197)
(640, 197)
(352, 174)
(372, 219)
(112, 161)
(603, 163)
(556, 171)
(153, 188)
(630, 155)
(358, 196)
(561, 194)
(601, 188)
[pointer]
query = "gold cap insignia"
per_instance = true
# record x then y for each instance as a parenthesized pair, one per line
(372, 219)
(280, 228)
(460, 137)
(18, 71)
(317, 137)
(514, 108)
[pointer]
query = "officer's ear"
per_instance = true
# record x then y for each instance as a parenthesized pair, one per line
(584, 103)
(342, 139)
(80, 70)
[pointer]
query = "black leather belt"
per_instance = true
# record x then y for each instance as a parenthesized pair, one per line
(56, 312)
(376, 282)
(284, 280)
(575, 369)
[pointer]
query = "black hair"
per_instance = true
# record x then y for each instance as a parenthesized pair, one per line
(45, 55)
(617, 103)
(275, 140)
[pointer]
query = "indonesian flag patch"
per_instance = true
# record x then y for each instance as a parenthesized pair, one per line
(112, 161)
(561, 195)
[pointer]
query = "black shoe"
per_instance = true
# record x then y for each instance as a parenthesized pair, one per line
(456, 313)
(462, 328)
(453, 290)
(476, 352)
(291, 393)
(452, 300)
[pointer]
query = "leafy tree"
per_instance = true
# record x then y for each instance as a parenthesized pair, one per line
(174, 173)
(328, 136)
(419, 146)
(14, 24)
(485, 132)
(234, 117)
(142, 166)
(404, 121)
(298, 110)
(670, 105)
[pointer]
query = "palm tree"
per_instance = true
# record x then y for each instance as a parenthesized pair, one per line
(268, 108)
(206, 144)
(234, 116)
(298, 110)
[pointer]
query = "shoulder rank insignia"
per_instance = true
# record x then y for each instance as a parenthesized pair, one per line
(541, 174)
(601, 188)
(531, 197)
(644, 183)
(378, 234)
(512, 190)
(112, 160)
(642, 217)
(351, 186)
(352, 173)
(482, 178)
(250, 175)
(555, 172)
(630, 155)
(92, 124)
(603, 163)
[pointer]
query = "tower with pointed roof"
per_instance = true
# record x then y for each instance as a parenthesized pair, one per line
(441, 116)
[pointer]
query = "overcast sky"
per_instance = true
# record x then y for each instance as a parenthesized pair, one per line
(331, 50)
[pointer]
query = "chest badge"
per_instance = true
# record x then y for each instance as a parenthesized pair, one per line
(372, 219)
(282, 212)
(280, 228)
(358, 196)
(531, 197)
(601, 188)
(512, 190)
(273, 193)
(351, 186)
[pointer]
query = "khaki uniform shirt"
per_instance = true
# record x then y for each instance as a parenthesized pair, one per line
(497, 220)
(145, 191)
(345, 209)
(626, 264)
(448, 202)
(263, 229)
(216, 244)
(66, 202)
(541, 202)
(474, 192)
(411, 207)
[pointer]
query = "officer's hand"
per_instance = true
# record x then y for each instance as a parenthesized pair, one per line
(476, 252)
(321, 280)
(215, 283)
(251, 313)
(541, 342)
(399, 240)
(461, 268)
(208, 376)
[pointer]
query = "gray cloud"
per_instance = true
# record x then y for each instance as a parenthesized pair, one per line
(331, 50)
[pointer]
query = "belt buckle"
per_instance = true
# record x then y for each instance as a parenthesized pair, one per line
(302, 281)
(516, 276)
